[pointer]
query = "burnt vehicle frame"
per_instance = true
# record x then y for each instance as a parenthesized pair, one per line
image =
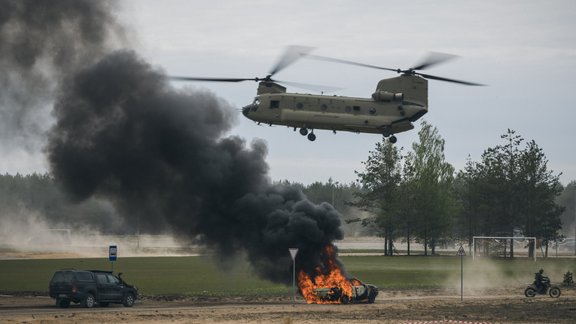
(361, 293)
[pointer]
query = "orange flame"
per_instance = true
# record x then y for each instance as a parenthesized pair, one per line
(326, 279)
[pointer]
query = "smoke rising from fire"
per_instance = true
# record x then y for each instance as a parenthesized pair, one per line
(121, 133)
(41, 41)
(161, 155)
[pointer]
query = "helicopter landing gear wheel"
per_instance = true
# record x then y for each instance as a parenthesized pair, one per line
(393, 139)
(311, 137)
(303, 131)
(386, 132)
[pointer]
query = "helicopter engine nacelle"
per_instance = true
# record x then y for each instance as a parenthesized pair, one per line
(387, 96)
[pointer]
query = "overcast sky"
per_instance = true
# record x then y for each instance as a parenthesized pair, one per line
(525, 51)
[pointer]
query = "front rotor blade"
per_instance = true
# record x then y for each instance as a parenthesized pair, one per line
(329, 59)
(180, 78)
(433, 59)
(433, 77)
(291, 55)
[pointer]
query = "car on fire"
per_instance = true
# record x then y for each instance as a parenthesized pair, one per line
(361, 293)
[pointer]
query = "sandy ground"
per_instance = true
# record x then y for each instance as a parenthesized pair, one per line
(425, 306)
(390, 307)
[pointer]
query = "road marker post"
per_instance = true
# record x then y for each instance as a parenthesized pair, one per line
(462, 254)
(293, 252)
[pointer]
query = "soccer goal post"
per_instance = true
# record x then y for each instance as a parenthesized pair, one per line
(500, 246)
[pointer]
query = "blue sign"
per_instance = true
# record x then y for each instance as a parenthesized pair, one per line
(112, 253)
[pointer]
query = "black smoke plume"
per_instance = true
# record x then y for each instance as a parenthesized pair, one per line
(162, 156)
(40, 42)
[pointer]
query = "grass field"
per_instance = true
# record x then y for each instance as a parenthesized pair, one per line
(199, 276)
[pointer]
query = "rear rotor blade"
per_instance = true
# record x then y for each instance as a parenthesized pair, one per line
(433, 58)
(329, 59)
(432, 77)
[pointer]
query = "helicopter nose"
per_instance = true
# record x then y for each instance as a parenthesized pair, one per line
(245, 110)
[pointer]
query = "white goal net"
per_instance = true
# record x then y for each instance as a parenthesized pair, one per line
(504, 246)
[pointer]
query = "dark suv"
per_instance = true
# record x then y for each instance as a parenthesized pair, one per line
(89, 287)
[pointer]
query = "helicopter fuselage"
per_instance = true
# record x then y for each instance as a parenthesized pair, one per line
(394, 106)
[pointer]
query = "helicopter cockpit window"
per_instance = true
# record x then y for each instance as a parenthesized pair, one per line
(255, 104)
(274, 104)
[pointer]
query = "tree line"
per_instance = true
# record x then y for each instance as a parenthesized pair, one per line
(413, 196)
(418, 196)
(37, 198)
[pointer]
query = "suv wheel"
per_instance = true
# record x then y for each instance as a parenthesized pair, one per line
(63, 303)
(88, 301)
(128, 300)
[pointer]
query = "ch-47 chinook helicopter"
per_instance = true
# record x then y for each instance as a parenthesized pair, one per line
(394, 106)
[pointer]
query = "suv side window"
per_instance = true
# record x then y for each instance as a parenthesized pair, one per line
(84, 276)
(101, 277)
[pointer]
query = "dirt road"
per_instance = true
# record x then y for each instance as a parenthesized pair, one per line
(388, 308)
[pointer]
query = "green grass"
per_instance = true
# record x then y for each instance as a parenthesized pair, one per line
(199, 276)
(419, 272)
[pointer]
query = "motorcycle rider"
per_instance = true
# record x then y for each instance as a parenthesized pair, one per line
(539, 280)
(541, 286)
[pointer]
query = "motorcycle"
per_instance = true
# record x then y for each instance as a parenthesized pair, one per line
(545, 288)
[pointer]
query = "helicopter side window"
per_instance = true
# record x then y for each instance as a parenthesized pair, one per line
(299, 105)
(356, 108)
(323, 107)
(274, 104)
(348, 109)
(372, 111)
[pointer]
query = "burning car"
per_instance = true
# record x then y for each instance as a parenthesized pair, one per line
(327, 283)
(360, 293)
